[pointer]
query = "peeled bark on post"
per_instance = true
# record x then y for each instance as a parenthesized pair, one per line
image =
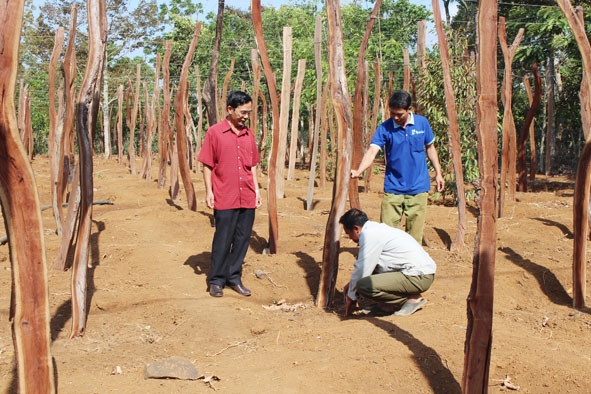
(257, 23)
(526, 128)
(164, 129)
(583, 181)
(29, 306)
(324, 135)
(85, 120)
(318, 64)
(284, 113)
(295, 118)
(180, 103)
(477, 347)
(224, 93)
(199, 137)
(508, 161)
(342, 106)
(454, 129)
(358, 105)
(53, 143)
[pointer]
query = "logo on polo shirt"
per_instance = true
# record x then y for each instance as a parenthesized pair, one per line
(415, 132)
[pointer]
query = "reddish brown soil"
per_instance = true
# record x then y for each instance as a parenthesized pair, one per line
(148, 301)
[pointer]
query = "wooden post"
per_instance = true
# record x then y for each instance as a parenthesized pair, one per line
(295, 118)
(180, 102)
(454, 129)
(358, 112)
(508, 161)
(86, 120)
(29, 306)
(583, 181)
(257, 23)
(164, 129)
(478, 343)
(342, 106)
(526, 129)
(284, 113)
(210, 85)
(318, 64)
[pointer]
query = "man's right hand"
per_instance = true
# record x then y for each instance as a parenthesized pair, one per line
(355, 174)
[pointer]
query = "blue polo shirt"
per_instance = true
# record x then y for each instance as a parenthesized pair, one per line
(406, 160)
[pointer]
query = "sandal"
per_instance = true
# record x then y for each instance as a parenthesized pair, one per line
(410, 307)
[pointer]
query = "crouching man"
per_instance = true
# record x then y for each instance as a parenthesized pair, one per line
(391, 268)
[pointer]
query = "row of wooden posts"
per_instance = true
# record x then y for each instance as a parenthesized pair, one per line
(30, 311)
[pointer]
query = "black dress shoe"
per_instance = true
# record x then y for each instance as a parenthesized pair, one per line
(216, 290)
(240, 289)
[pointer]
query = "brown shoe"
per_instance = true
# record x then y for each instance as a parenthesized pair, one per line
(216, 290)
(240, 289)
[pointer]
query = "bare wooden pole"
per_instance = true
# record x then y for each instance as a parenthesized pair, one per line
(526, 128)
(454, 129)
(29, 306)
(358, 105)
(272, 87)
(164, 129)
(180, 102)
(295, 118)
(508, 161)
(342, 106)
(133, 120)
(284, 110)
(86, 120)
(477, 347)
(583, 181)
(318, 64)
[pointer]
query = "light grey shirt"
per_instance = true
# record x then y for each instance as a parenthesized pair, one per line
(384, 249)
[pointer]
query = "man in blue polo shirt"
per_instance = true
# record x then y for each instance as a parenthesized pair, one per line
(407, 140)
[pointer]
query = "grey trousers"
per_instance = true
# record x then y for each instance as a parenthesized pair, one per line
(393, 287)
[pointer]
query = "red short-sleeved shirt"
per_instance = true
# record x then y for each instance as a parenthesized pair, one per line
(231, 158)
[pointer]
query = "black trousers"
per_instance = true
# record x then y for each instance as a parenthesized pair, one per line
(233, 228)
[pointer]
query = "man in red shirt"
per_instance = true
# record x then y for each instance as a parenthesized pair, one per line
(230, 157)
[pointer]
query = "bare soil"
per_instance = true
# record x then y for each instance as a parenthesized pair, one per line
(148, 300)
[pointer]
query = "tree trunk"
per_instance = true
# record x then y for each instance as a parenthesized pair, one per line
(478, 343)
(29, 306)
(342, 106)
(272, 88)
(454, 129)
(295, 118)
(106, 119)
(374, 118)
(180, 102)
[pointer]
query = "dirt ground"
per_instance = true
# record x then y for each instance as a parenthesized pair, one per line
(148, 301)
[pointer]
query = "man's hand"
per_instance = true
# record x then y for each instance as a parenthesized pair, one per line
(209, 199)
(259, 199)
(355, 174)
(349, 303)
(440, 182)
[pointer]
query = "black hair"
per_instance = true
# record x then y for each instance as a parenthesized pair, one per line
(400, 99)
(353, 217)
(236, 98)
